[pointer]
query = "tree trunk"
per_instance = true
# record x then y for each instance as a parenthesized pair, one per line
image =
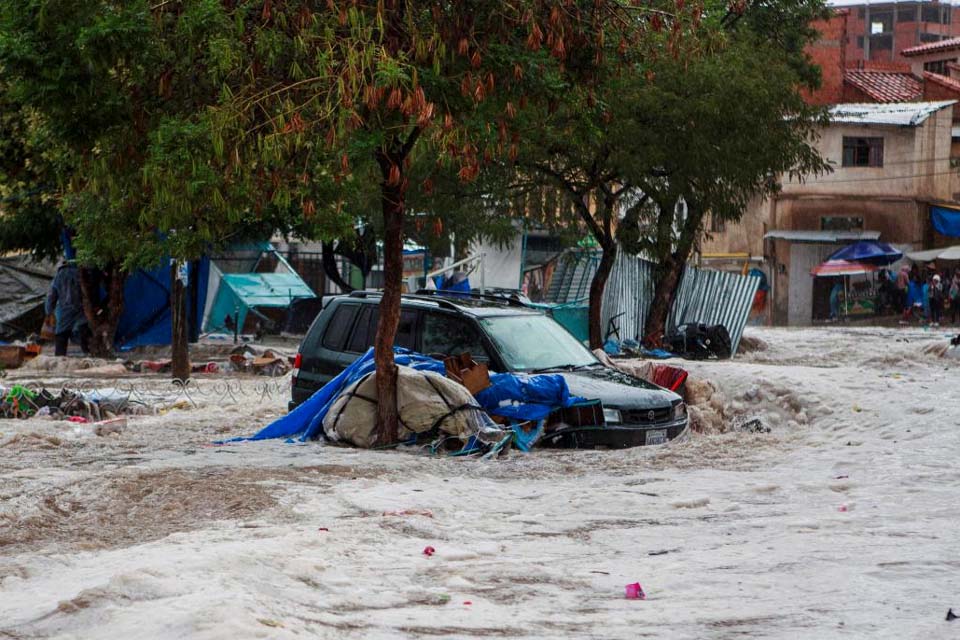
(597, 287)
(179, 340)
(392, 202)
(669, 274)
(102, 316)
(666, 283)
(330, 267)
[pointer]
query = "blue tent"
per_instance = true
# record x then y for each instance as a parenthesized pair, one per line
(146, 316)
(868, 251)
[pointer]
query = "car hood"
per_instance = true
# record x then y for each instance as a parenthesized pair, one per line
(617, 390)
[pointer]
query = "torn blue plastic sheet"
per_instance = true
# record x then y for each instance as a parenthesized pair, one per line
(515, 396)
(305, 422)
(524, 439)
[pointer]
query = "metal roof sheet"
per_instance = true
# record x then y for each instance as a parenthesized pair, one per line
(821, 237)
(900, 114)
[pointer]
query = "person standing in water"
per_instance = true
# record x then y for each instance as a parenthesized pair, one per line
(66, 300)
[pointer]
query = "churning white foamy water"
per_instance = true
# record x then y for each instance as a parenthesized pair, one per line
(842, 521)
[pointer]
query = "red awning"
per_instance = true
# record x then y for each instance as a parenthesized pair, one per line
(843, 268)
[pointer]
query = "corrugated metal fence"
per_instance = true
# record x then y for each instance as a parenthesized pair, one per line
(710, 297)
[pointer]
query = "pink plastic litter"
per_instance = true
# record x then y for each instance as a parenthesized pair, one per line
(429, 551)
(78, 419)
(467, 602)
(842, 508)
(635, 592)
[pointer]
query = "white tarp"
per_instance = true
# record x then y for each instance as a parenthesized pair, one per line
(944, 253)
(501, 264)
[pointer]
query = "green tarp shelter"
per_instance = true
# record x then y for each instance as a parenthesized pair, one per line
(263, 297)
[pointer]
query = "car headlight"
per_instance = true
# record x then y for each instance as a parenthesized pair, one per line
(611, 416)
(679, 411)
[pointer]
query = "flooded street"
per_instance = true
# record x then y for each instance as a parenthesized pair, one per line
(840, 522)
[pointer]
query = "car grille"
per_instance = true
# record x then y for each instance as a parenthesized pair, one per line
(643, 416)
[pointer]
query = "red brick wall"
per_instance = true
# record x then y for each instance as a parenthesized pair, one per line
(905, 34)
(852, 94)
(934, 91)
(829, 52)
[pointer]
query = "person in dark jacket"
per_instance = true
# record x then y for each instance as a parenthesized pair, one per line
(65, 298)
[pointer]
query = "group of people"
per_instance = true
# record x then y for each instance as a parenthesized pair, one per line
(925, 293)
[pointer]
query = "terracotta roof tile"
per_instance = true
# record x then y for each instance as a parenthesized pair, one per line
(949, 83)
(932, 47)
(885, 86)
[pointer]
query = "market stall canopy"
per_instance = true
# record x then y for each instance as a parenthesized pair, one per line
(843, 268)
(821, 237)
(868, 251)
(943, 253)
(946, 220)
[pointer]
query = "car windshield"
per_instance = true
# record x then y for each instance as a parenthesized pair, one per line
(530, 342)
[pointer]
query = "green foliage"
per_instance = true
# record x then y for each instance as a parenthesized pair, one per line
(30, 160)
(125, 90)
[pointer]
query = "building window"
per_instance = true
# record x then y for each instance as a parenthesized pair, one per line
(717, 225)
(906, 13)
(930, 37)
(862, 152)
(881, 22)
(930, 14)
(881, 43)
(841, 223)
(938, 66)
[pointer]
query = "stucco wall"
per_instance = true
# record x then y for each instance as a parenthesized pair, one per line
(891, 199)
(916, 162)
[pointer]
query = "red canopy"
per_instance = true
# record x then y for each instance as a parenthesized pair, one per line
(843, 268)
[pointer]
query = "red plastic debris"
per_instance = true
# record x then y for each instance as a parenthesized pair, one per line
(842, 508)
(467, 602)
(429, 551)
(323, 529)
(78, 419)
(635, 592)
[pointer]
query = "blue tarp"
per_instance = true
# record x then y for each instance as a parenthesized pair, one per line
(946, 221)
(517, 397)
(868, 251)
(146, 309)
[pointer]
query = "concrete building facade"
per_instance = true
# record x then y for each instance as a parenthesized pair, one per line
(891, 162)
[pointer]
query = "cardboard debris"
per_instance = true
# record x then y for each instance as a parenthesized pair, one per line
(475, 376)
(12, 355)
(268, 363)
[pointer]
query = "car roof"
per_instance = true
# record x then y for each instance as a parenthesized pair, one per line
(477, 305)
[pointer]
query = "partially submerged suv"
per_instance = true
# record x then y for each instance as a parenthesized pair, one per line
(509, 337)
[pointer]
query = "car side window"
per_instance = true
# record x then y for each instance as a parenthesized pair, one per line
(339, 326)
(365, 331)
(451, 336)
(407, 330)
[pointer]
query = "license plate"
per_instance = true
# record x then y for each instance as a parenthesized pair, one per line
(656, 436)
